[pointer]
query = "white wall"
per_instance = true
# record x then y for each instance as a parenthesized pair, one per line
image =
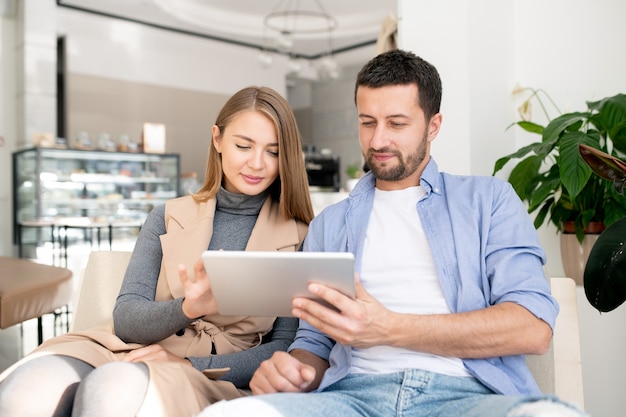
(472, 51)
(7, 128)
(571, 48)
(28, 89)
(117, 49)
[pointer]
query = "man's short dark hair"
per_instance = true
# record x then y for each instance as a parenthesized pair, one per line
(398, 67)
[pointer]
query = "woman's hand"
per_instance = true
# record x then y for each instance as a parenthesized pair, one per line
(199, 300)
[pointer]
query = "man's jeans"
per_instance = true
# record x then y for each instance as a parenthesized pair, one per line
(413, 393)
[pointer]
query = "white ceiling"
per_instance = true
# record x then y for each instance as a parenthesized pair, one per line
(241, 21)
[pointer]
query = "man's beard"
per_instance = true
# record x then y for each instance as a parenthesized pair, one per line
(402, 169)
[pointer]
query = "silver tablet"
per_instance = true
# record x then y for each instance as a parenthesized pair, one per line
(251, 283)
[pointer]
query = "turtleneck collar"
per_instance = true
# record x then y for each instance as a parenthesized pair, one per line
(239, 203)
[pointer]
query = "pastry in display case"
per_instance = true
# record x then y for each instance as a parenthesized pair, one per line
(104, 186)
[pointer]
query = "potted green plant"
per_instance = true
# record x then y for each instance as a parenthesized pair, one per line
(556, 183)
(552, 177)
(354, 172)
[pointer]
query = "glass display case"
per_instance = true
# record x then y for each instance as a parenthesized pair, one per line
(50, 183)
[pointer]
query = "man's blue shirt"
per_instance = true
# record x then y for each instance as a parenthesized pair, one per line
(486, 251)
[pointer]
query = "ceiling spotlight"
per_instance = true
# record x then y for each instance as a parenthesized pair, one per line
(294, 65)
(283, 42)
(265, 58)
(328, 68)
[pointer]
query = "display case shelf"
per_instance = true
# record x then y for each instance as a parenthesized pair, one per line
(50, 183)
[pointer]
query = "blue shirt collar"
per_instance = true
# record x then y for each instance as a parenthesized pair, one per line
(430, 179)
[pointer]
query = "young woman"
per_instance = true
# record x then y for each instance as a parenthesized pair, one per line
(170, 353)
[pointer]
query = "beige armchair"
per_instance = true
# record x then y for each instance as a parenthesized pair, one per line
(99, 286)
(557, 372)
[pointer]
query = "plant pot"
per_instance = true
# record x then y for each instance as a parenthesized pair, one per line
(574, 254)
(350, 183)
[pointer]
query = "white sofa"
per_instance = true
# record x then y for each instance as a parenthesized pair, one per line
(557, 372)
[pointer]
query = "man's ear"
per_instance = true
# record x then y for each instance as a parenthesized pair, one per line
(434, 125)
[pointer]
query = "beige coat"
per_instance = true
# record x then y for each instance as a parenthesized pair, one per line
(176, 389)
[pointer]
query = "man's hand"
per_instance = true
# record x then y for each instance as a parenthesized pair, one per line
(153, 353)
(199, 300)
(359, 322)
(286, 373)
(502, 329)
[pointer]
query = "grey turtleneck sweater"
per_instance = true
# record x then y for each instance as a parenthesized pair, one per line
(135, 309)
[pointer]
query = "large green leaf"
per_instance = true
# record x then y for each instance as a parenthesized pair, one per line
(546, 188)
(557, 126)
(610, 118)
(614, 205)
(561, 212)
(525, 176)
(520, 153)
(530, 127)
(618, 102)
(618, 135)
(546, 148)
(574, 170)
(541, 215)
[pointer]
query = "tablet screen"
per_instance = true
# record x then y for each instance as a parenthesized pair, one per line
(257, 283)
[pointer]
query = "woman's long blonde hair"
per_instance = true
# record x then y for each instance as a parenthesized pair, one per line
(291, 188)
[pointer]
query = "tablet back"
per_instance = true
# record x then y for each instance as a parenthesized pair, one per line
(251, 283)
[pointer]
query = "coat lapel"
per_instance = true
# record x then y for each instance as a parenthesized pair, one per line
(189, 230)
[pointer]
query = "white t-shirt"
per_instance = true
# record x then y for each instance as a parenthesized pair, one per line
(398, 270)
